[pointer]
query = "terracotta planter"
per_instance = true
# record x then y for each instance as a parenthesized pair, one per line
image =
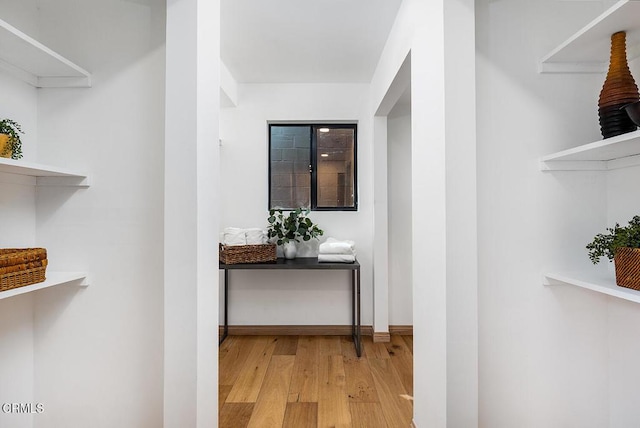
(5, 146)
(619, 89)
(627, 264)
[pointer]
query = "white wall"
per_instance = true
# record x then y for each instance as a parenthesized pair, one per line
(16, 373)
(299, 297)
(429, 376)
(97, 353)
(461, 212)
(400, 230)
(440, 38)
(191, 214)
(549, 356)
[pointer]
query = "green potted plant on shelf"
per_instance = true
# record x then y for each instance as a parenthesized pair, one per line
(10, 143)
(622, 245)
(287, 229)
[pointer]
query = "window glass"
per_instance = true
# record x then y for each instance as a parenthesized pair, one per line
(335, 167)
(290, 160)
(313, 166)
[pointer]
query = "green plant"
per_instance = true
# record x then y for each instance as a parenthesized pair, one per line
(606, 245)
(13, 130)
(292, 227)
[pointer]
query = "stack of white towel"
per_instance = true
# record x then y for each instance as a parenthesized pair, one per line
(237, 236)
(333, 250)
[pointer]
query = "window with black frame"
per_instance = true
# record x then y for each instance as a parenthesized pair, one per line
(313, 166)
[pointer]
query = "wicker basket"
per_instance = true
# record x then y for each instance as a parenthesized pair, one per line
(21, 278)
(23, 266)
(627, 264)
(17, 256)
(236, 254)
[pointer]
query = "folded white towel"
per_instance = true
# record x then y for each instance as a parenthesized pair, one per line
(234, 236)
(255, 236)
(334, 246)
(336, 258)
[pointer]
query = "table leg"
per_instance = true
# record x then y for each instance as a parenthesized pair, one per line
(358, 332)
(355, 311)
(353, 304)
(226, 306)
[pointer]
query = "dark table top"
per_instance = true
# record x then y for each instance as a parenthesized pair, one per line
(300, 263)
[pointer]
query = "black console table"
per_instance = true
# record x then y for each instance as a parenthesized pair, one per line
(303, 263)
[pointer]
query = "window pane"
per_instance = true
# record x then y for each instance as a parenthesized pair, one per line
(290, 158)
(335, 154)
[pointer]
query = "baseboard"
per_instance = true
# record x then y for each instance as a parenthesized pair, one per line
(295, 330)
(316, 330)
(381, 337)
(405, 330)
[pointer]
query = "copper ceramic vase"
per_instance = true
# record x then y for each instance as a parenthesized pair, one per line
(619, 89)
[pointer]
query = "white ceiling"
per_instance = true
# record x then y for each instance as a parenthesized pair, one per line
(304, 41)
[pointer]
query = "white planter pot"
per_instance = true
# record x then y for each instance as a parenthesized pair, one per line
(290, 250)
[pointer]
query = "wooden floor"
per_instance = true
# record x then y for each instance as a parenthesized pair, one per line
(315, 381)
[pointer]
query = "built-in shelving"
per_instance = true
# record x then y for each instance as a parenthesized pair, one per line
(587, 51)
(44, 175)
(599, 282)
(53, 279)
(611, 153)
(31, 61)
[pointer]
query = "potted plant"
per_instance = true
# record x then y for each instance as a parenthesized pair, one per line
(291, 228)
(10, 143)
(622, 245)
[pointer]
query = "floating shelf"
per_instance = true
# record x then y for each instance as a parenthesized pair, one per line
(53, 279)
(44, 175)
(601, 283)
(587, 51)
(29, 60)
(612, 153)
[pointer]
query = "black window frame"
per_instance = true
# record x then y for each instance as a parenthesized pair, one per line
(313, 159)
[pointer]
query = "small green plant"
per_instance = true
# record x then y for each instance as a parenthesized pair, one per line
(292, 227)
(13, 130)
(606, 245)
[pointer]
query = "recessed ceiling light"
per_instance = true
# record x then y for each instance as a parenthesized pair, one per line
(324, 129)
(325, 155)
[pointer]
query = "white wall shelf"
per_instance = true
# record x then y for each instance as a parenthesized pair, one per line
(587, 51)
(53, 279)
(29, 60)
(44, 175)
(598, 282)
(611, 153)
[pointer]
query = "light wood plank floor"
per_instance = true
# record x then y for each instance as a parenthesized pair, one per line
(315, 381)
